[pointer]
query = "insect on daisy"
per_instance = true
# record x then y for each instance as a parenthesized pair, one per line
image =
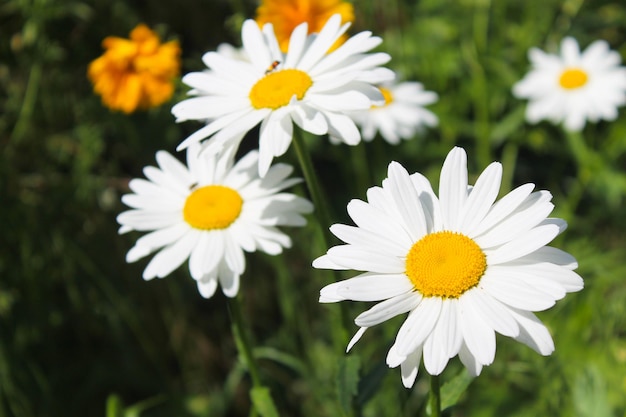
(135, 73)
(307, 85)
(461, 264)
(573, 87)
(210, 212)
(401, 116)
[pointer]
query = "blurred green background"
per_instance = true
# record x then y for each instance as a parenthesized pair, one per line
(81, 334)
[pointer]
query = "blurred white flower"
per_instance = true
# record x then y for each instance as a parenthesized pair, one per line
(462, 265)
(573, 87)
(209, 212)
(402, 115)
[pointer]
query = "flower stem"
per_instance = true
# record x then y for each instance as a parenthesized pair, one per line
(242, 340)
(509, 160)
(435, 397)
(321, 208)
(584, 158)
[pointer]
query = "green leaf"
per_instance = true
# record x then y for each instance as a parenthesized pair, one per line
(507, 126)
(262, 401)
(370, 383)
(348, 381)
(452, 390)
(114, 407)
(590, 394)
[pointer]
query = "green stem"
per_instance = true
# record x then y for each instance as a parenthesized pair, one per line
(242, 340)
(584, 161)
(435, 397)
(28, 104)
(321, 209)
(509, 159)
(361, 166)
(480, 84)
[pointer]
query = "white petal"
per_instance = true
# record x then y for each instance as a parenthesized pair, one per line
(494, 313)
(375, 220)
(355, 338)
(253, 44)
(233, 255)
(212, 127)
(547, 254)
(323, 41)
(418, 325)
(207, 286)
(445, 340)
(361, 259)
(367, 239)
(453, 187)
(173, 167)
(479, 338)
(229, 280)
(275, 138)
(504, 286)
(297, 42)
(430, 202)
(410, 367)
(533, 333)
(480, 200)
(373, 287)
(387, 309)
(326, 262)
(524, 219)
(524, 244)
(407, 201)
(144, 220)
(342, 128)
(160, 238)
(503, 208)
(393, 358)
(565, 278)
(137, 252)
(310, 119)
(198, 254)
(474, 367)
(341, 102)
(170, 257)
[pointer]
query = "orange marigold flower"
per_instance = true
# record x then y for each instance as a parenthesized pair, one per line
(135, 73)
(285, 15)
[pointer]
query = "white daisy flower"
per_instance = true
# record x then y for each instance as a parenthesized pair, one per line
(402, 114)
(462, 266)
(209, 212)
(573, 87)
(307, 85)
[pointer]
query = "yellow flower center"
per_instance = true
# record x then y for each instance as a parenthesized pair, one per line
(386, 95)
(276, 89)
(573, 78)
(212, 207)
(445, 264)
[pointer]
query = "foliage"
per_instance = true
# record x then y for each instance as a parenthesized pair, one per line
(81, 334)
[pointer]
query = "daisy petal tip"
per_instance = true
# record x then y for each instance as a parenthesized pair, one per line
(124, 229)
(355, 338)
(396, 168)
(324, 262)
(148, 275)
(329, 294)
